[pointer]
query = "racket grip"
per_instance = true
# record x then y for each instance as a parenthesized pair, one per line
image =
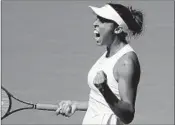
(48, 107)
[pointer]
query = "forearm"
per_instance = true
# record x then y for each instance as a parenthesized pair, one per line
(81, 105)
(122, 109)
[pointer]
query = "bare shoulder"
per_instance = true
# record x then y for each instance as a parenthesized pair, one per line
(127, 66)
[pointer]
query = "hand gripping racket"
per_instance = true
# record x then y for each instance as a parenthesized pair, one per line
(7, 100)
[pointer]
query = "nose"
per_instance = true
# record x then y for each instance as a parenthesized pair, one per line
(95, 24)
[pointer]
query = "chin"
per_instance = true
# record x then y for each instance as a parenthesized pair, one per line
(99, 43)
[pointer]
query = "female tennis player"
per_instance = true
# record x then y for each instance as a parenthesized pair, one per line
(114, 78)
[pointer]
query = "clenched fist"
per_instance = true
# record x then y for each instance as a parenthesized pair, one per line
(100, 79)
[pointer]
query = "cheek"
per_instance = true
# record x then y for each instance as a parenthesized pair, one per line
(108, 29)
(107, 34)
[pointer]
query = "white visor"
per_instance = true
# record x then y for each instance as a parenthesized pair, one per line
(108, 12)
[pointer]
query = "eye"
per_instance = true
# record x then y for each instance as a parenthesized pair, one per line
(102, 20)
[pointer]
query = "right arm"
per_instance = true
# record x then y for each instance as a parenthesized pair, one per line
(81, 105)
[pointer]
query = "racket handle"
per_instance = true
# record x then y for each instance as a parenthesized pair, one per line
(48, 107)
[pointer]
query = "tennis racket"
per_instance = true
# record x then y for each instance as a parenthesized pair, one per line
(7, 100)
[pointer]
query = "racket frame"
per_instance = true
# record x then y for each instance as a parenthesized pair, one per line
(38, 106)
(10, 96)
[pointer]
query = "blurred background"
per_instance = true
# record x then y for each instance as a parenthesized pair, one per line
(48, 49)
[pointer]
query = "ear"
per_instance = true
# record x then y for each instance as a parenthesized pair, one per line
(118, 30)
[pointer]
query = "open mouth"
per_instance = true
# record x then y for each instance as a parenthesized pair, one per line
(97, 34)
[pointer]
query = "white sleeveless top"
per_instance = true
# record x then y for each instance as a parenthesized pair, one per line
(98, 110)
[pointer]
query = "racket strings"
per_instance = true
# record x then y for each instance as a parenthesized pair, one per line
(5, 102)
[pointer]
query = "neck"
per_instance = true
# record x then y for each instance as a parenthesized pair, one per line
(115, 47)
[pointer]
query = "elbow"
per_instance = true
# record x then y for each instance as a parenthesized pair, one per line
(128, 117)
(128, 120)
(126, 113)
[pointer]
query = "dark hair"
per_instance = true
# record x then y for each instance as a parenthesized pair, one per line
(133, 18)
(104, 19)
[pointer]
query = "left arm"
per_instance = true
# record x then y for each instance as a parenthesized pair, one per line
(128, 77)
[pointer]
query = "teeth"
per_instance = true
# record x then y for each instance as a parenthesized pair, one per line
(95, 31)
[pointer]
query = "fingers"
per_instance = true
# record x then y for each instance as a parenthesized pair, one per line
(100, 78)
(64, 108)
(68, 111)
(58, 111)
